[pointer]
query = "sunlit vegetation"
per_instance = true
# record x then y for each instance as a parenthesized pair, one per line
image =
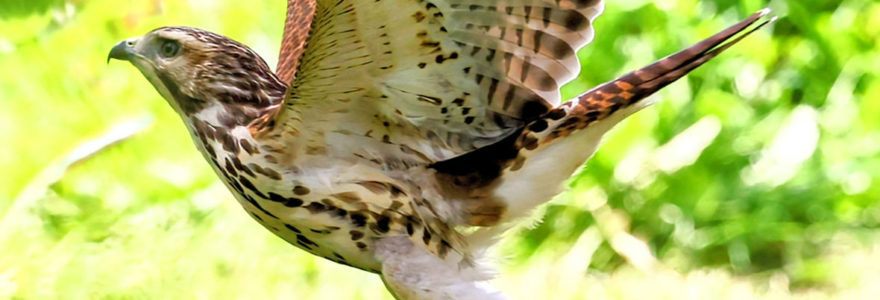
(757, 176)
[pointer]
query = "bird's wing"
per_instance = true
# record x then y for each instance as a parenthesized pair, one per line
(441, 77)
(296, 30)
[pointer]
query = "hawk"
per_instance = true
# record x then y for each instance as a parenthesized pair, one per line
(403, 137)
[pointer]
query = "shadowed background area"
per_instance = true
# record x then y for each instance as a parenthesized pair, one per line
(757, 176)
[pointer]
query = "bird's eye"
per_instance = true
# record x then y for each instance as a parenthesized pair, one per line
(170, 49)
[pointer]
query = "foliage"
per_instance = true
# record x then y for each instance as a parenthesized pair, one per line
(761, 164)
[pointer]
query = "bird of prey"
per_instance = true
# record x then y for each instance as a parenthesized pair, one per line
(402, 137)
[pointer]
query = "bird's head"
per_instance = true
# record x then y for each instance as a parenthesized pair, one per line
(204, 75)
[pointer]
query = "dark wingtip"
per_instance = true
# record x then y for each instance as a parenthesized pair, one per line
(673, 67)
(633, 87)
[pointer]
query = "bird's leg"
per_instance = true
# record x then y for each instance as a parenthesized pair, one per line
(412, 273)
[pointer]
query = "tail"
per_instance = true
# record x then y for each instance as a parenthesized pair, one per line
(534, 163)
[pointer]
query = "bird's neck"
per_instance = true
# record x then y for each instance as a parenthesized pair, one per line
(226, 128)
(235, 107)
(233, 116)
(222, 131)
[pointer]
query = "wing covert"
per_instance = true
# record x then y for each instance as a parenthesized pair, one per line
(440, 77)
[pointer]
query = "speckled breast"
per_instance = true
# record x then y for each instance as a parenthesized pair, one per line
(294, 204)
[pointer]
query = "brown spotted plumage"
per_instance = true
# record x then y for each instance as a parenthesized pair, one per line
(402, 137)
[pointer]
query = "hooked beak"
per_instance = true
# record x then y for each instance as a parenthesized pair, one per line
(123, 51)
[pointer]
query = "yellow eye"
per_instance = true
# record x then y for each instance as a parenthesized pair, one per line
(170, 49)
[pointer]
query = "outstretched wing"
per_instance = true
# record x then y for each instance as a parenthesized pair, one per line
(434, 77)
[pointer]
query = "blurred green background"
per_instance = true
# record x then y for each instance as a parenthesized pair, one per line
(756, 177)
